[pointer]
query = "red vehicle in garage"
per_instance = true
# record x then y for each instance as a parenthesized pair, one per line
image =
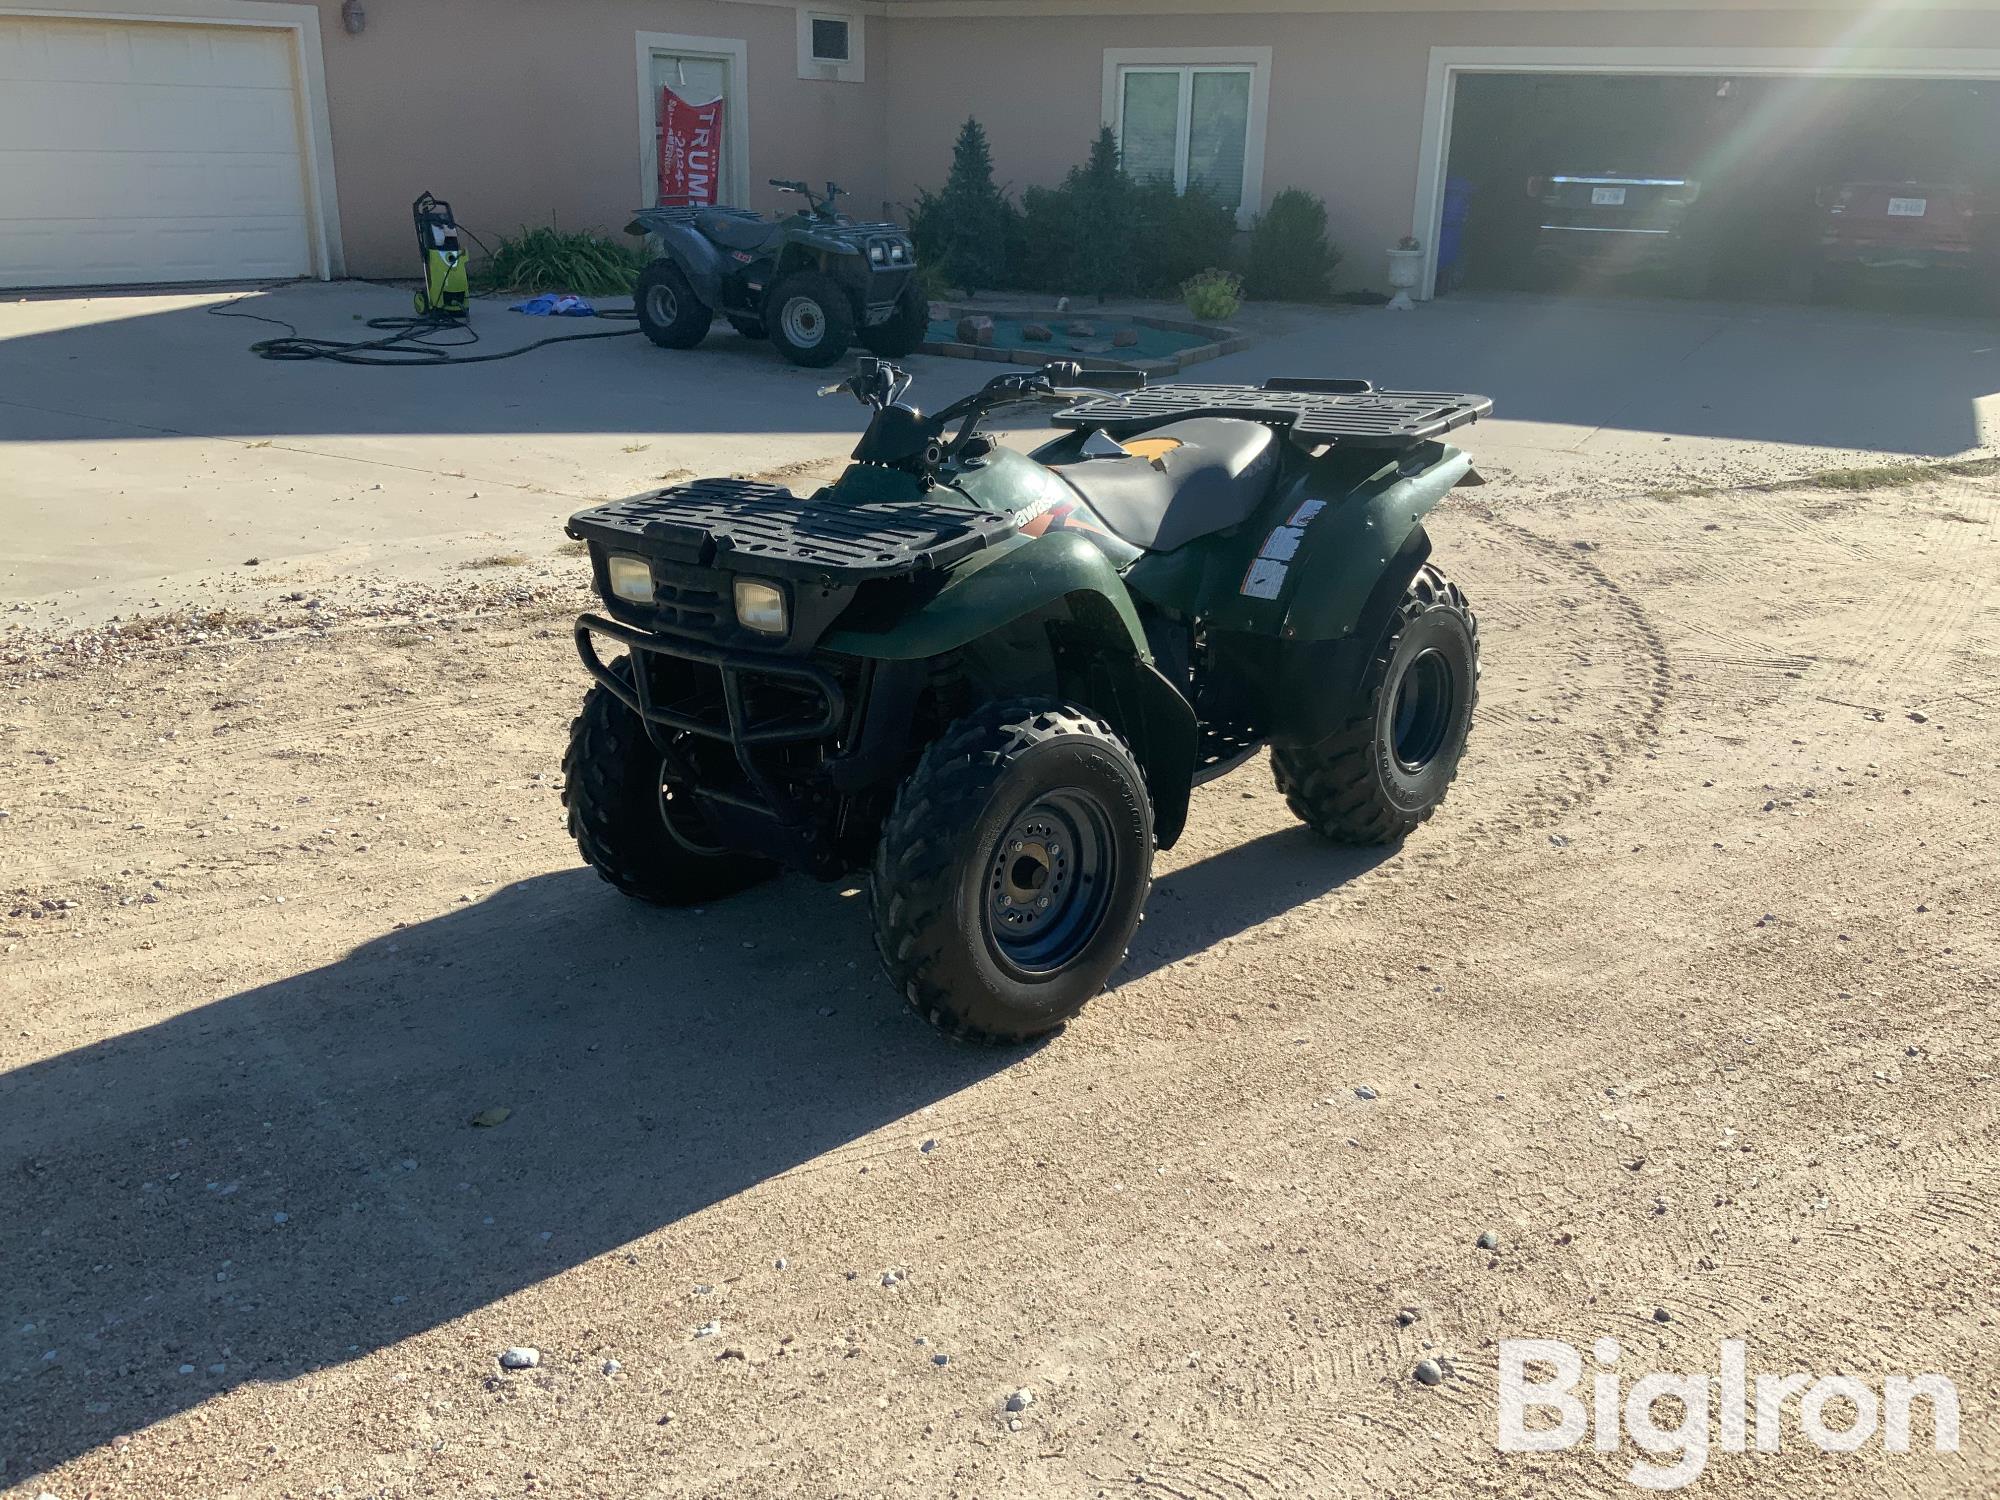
(1879, 231)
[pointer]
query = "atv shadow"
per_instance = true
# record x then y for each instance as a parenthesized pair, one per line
(287, 1178)
(1237, 889)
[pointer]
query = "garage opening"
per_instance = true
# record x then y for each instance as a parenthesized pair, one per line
(1875, 191)
(137, 151)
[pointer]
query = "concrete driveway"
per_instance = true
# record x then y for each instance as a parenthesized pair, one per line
(147, 451)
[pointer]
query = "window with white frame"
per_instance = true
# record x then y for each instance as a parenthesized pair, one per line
(833, 45)
(1187, 124)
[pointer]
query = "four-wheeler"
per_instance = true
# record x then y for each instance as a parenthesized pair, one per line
(1615, 222)
(813, 282)
(990, 679)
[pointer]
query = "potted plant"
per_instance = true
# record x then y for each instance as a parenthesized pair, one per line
(1406, 270)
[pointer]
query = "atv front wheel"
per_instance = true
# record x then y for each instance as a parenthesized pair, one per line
(638, 830)
(669, 312)
(1386, 770)
(905, 328)
(1013, 870)
(809, 319)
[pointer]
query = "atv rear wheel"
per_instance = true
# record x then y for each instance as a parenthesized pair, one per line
(1013, 870)
(1386, 770)
(808, 318)
(638, 830)
(669, 312)
(905, 328)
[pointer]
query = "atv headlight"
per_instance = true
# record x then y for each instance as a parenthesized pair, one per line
(631, 578)
(878, 252)
(760, 606)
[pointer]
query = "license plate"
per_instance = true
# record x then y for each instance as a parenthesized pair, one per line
(1908, 208)
(1603, 197)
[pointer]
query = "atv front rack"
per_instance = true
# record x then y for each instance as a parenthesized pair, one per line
(742, 525)
(1314, 413)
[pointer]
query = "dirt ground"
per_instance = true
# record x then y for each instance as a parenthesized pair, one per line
(1686, 997)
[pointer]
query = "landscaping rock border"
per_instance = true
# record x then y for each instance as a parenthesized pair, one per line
(1221, 339)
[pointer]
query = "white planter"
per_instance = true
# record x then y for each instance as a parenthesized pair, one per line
(1406, 271)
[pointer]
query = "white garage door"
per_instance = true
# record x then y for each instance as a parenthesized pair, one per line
(144, 152)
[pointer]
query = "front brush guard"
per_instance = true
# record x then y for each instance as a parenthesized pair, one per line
(736, 729)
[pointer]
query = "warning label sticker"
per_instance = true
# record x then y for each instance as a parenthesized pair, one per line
(1304, 514)
(1265, 579)
(1282, 544)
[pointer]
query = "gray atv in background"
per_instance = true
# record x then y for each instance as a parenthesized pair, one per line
(814, 283)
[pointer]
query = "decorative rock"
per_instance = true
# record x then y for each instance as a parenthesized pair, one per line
(1429, 1372)
(1125, 338)
(1081, 330)
(1021, 1400)
(975, 330)
(520, 1357)
(1488, 1241)
(1037, 333)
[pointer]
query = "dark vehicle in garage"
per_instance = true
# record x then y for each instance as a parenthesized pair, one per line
(1886, 232)
(1620, 223)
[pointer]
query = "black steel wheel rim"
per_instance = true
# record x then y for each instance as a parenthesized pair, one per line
(1049, 882)
(1426, 700)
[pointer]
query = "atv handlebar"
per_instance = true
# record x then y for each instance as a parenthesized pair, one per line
(919, 442)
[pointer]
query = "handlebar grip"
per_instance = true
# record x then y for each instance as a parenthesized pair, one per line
(1109, 380)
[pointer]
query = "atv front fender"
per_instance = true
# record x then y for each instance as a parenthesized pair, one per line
(674, 239)
(1096, 643)
(997, 588)
(1353, 547)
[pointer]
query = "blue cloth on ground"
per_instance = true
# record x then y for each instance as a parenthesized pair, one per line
(551, 305)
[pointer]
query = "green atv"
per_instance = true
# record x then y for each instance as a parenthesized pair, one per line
(814, 283)
(991, 679)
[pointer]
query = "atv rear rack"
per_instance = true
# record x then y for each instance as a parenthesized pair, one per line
(1314, 413)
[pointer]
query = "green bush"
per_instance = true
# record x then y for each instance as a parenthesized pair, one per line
(963, 231)
(1213, 295)
(1290, 258)
(559, 260)
(1176, 235)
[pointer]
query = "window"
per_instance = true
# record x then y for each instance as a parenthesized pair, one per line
(833, 44)
(829, 39)
(1187, 125)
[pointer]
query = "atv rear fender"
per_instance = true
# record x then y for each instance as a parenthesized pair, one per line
(1358, 547)
(1348, 582)
(1051, 612)
(670, 236)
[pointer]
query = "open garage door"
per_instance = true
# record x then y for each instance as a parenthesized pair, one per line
(136, 151)
(1734, 177)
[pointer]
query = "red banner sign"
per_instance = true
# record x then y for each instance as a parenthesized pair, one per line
(690, 150)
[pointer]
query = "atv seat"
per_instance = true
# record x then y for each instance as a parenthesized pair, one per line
(1182, 481)
(734, 232)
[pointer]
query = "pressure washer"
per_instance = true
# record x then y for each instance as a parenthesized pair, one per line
(443, 321)
(445, 292)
